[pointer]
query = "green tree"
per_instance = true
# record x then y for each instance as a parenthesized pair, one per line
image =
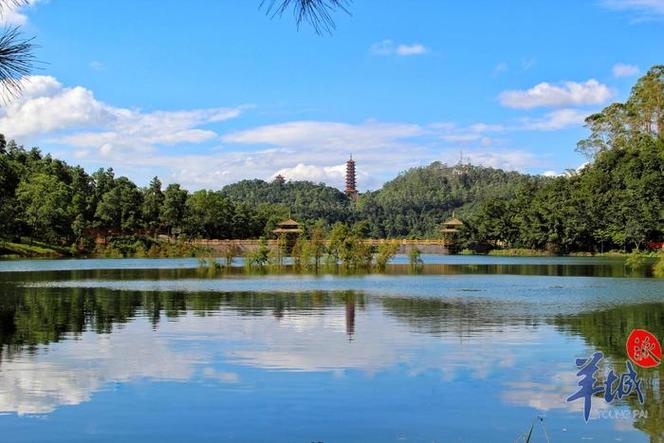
(209, 215)
(153, 200)
(173, 210)
(44, 202)
(120, 208)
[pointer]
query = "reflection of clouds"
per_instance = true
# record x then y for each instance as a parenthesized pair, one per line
(69, 372)
(194, 346)
(316, 341)
(221, 376)
(38, 387)
(552, 393)
(545, 396)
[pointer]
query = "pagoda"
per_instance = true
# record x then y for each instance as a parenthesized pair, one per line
(279, 179)
(351, 183)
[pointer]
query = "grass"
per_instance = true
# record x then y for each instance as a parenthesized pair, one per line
(618, 253)
(519, 252)
(36, 249)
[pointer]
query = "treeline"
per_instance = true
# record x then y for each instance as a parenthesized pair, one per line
(46, 199)
(615, 202)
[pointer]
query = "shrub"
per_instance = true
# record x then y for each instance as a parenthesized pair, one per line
(658, 268)
(385, 252)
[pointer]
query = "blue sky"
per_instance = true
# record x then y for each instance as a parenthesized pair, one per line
(205, 93)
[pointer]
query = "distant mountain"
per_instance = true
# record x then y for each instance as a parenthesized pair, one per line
(305, 200)
(419, 199)
(411, 205)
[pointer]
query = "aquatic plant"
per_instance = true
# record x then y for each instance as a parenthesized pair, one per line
(259, 257)
(385, 252)
(658, 268)
(414, 256)
(636, 261)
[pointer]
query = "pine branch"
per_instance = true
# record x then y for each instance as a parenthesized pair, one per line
(11, 5)
(16, 53)
(318, 13)
(16, 60)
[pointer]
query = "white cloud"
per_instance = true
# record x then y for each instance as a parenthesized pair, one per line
(13, 16)
(388, 47)
(414, 49)
(500, 68)
(97, 65)
(139, 144)
(550, 174)
(327, 135)
(527, 63)
(508, 159)
(47, 107)
(461, 138)
(545, 94)
(381, 149)
(644, 9)
(555, 120)
(624, 70)
(328, 174)
(474, 133)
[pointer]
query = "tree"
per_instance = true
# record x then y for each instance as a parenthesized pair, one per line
(153, 199)
(44, 201)
(82, 205)
(385, 252)
(646, 103)
(174, 207)
(316, 245)
(338, 235)
(619, 125)
(120, 207)
(209, 215)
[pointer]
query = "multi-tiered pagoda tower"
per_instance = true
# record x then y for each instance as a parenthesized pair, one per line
(351, 184)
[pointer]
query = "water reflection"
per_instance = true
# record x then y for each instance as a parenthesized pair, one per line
(607, 330)
(465, 357)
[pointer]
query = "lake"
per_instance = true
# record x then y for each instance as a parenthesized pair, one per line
(465, 349)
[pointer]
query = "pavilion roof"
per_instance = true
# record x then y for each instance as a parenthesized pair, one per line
(454, 222)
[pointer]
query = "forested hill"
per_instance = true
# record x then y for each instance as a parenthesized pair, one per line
(418, 200)
(411, 205)
(304, 200)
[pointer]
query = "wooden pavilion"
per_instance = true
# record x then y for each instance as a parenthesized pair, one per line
(289, 230)
(451, 229)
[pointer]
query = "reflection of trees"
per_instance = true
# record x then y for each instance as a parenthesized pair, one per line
(461, 316)
(609, 268)
(607, 331)
(39, 316)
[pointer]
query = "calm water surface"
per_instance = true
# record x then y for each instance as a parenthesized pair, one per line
(468, 349)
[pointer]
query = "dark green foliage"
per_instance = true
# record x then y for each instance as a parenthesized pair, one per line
(304, 201)
(416, 202)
